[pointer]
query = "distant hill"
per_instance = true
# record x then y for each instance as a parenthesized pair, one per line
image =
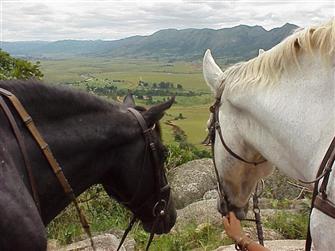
(237, 43)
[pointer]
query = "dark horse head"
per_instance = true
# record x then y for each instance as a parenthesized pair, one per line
(95, 141)
(148, 190)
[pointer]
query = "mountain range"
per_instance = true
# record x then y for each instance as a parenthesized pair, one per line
(237, 43)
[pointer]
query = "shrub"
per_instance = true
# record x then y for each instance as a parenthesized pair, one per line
(13, 68)
(180, 153)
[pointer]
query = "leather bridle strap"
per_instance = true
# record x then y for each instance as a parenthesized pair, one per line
(148, 137)
(215, 126)
(26, 118)
(218, 129)
(23, 150)
(214, 109)
(320, 201)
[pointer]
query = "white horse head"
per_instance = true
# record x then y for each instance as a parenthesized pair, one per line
(278, 106)
(237, 178)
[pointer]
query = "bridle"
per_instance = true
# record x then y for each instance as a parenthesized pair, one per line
(214, 127)
(162, 196)
(320, 199)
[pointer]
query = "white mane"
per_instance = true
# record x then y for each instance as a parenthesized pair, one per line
(268, 66)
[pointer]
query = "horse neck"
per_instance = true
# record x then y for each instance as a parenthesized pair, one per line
(293, 120)
(82, 132)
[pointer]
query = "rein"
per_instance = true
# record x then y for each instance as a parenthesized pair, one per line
(213, 128)
(319, 198)
(29, 123)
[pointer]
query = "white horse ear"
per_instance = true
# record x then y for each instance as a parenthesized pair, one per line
(212, 72)
(260, 51)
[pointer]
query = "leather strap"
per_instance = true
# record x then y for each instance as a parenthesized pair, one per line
(325, 206)
(49, 156)
(23, 150)
(159, 209)
(216, 125)
(39, 139)
(320, 173)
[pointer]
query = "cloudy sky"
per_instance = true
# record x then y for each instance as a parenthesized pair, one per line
(109, 19)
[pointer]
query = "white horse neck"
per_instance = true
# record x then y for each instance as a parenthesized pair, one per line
(292, 121)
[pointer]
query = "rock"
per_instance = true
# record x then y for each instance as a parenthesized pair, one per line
(190, 181)
(198, 212)
(205, 211)
(278, 245)
(104, 242)
(53, 245)
(211, 194)
(269, 234)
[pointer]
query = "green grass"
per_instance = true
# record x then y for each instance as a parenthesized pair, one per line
(194, 123)
(290, 225)
(102, 213)
(68, 70)
(204, 237)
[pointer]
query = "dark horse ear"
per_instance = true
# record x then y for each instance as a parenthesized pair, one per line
(129, 101)
(156, 112)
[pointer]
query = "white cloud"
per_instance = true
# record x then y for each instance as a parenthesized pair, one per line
(106, 19)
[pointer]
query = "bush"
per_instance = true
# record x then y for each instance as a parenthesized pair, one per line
(12, 68)
(180, 153)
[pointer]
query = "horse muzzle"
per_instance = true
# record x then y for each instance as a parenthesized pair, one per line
(162, 224)
(224, 207)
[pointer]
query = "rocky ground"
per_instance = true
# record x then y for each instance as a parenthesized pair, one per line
(193, 185)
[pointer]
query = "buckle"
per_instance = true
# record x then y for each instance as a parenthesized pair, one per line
(159, 208)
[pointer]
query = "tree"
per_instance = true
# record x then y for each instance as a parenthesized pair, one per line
(13, 68)
(179, 86)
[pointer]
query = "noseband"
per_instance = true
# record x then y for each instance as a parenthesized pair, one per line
(212, 129)
(162, 194)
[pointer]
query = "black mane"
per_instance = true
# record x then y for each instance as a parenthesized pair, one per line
(39, 95)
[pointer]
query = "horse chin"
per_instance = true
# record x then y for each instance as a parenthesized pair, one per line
(164, 224)
(224, 207)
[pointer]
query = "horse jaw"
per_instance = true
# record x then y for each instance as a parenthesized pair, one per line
(212, 72)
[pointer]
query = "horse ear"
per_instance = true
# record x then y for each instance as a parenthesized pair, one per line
(129, 101)
(212, 72)
(156, 112)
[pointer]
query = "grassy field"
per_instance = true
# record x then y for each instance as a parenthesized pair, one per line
(68, 70)
(100, 71)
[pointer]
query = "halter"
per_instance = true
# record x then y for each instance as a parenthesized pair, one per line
(162, 194)
(210, 139)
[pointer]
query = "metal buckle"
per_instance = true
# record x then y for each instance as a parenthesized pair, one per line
(159, 208)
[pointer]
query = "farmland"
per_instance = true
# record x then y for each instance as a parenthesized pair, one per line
(128, 74)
